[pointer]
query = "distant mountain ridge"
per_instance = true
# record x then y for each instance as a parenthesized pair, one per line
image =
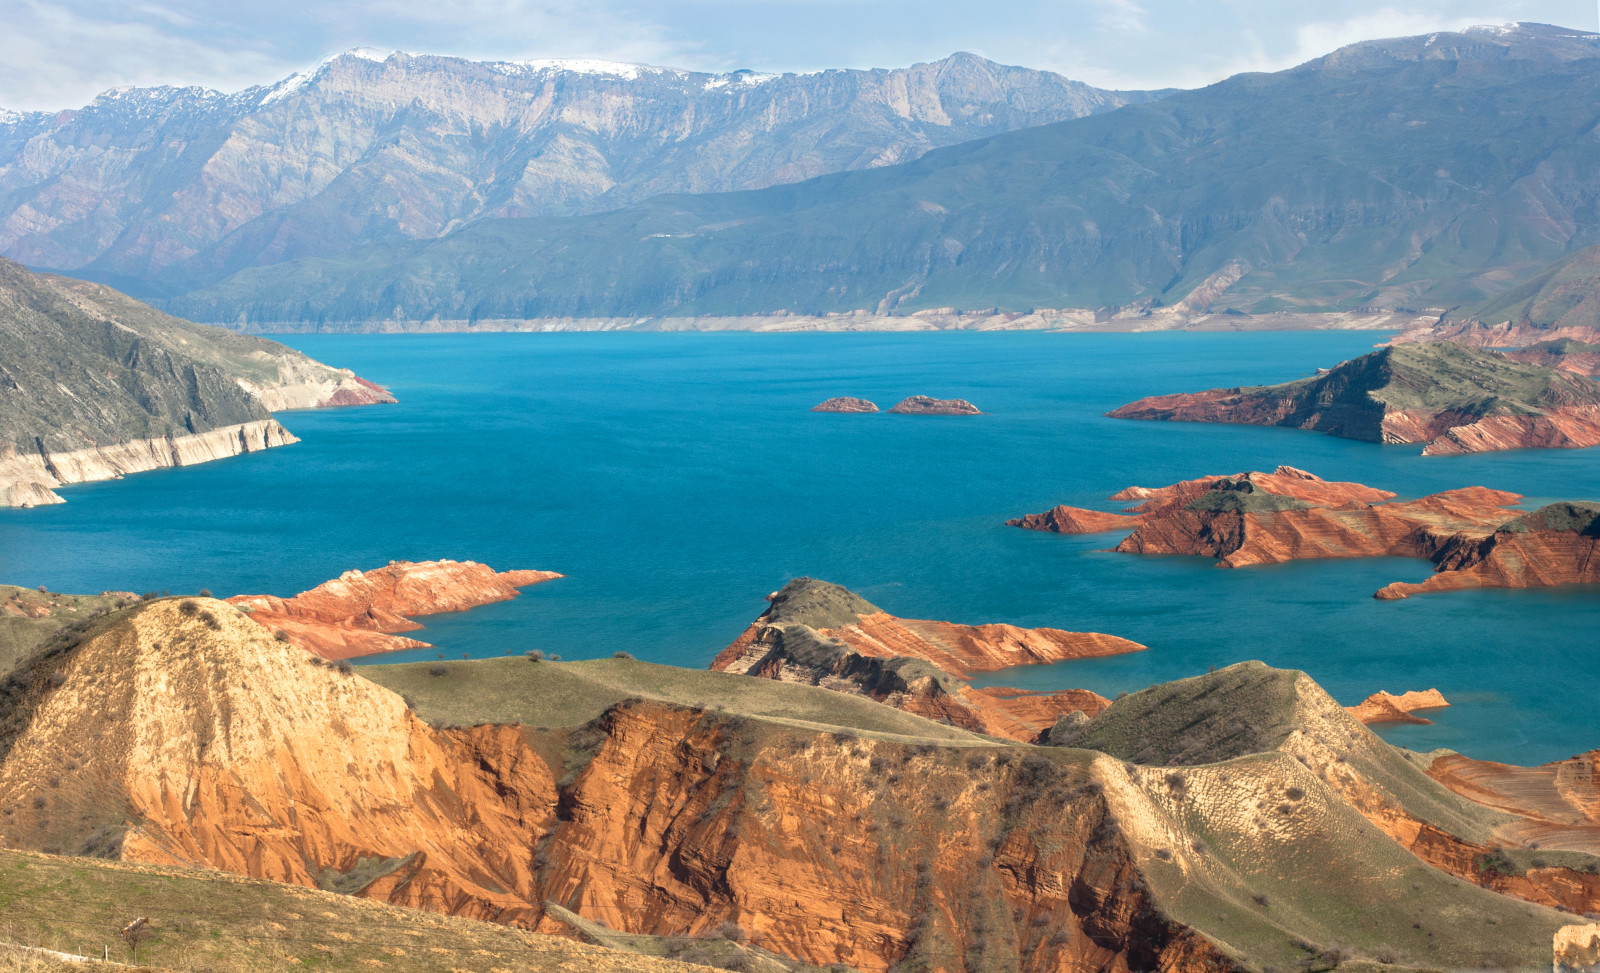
(160, 190)
(1425, 172)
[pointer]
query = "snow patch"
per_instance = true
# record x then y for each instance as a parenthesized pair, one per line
(747, 78)
(580, 65)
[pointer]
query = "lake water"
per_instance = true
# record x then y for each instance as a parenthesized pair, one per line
(677, 479)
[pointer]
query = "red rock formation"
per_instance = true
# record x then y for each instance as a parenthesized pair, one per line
(1572, 427)
(1555, 545)
(1453, 398)
(845, 404)
(864, 651)
(923, 405)
(359, 612)
(1564, 353)
(1075, 520)
(1558, 804)
(1382, 707)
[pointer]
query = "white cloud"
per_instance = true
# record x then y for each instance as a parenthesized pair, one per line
(52, 57)
(1122, 16)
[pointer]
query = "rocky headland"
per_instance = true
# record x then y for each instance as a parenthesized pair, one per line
(845, 404)
(1474, 536)
(95, 385)
(923, 405)
(1383, 707)
(820, 634)
(360, 612)
(1224, 823)
(1451, 397)
(1558, 544)
(1566, 354)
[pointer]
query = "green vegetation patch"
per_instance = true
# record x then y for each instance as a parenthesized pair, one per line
(1442, 375)
(1579, 518)
(199, 919)
(722, 947)
(1243, 709)
(819, 604)
(21, 632)
(570, 694)
(1241, 496)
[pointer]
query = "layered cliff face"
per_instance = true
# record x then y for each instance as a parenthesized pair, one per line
(820, 634)
(360, 612)
(1555, 545)
(175, 734)
(95, 385)
(1566, 354)
(1286, 515)
(1453, 398)
(390, 148)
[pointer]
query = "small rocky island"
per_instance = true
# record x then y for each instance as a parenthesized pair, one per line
(1453, 398)
(924, 405)
(845, 403)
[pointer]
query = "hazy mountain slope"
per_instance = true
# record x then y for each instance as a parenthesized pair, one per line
(1415, 172)
(159, 189)
(94, 384)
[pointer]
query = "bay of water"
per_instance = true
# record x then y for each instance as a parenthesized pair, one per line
(677, 479)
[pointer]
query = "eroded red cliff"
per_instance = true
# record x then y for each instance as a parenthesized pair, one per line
(360, 612)
(1384, 707)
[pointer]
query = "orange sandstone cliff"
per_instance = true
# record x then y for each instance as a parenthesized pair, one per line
(179, 732)
(359, 612)
(823, 635)
(1557, 544)
(1383, 707)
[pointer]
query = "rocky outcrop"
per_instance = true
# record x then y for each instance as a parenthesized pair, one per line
(1383, 707)
(1555, 806)
(94, 385)
(360, 612)
(1453, 398)
(1558, 544)
(923, 405)
(1577, 949)
(30, 479)
(845, 404)
(1075, 520)
(820, 634)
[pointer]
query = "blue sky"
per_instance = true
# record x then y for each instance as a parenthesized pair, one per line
(59, 53)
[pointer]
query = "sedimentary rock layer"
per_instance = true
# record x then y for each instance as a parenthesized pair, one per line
(820, 634)
(1383, 707)
(1557, 544)
(360, 612)
(1557, 805)
(29, 479)
(1453, 398)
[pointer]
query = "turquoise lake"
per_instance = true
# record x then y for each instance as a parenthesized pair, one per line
(677, 479)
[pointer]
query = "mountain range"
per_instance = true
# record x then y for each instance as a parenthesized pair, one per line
(1432, 171)
(159, 190)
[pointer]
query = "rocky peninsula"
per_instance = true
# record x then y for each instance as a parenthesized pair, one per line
(1452, 398)
(361, 612)
(95, 385)
(845, 404)
(923, 405)
(1382, 707)
(1474, 536)
(821, 634)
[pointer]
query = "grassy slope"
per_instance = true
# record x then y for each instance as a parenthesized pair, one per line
(566, 694)
(204, 920)
(710, 951)
(19, 635)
